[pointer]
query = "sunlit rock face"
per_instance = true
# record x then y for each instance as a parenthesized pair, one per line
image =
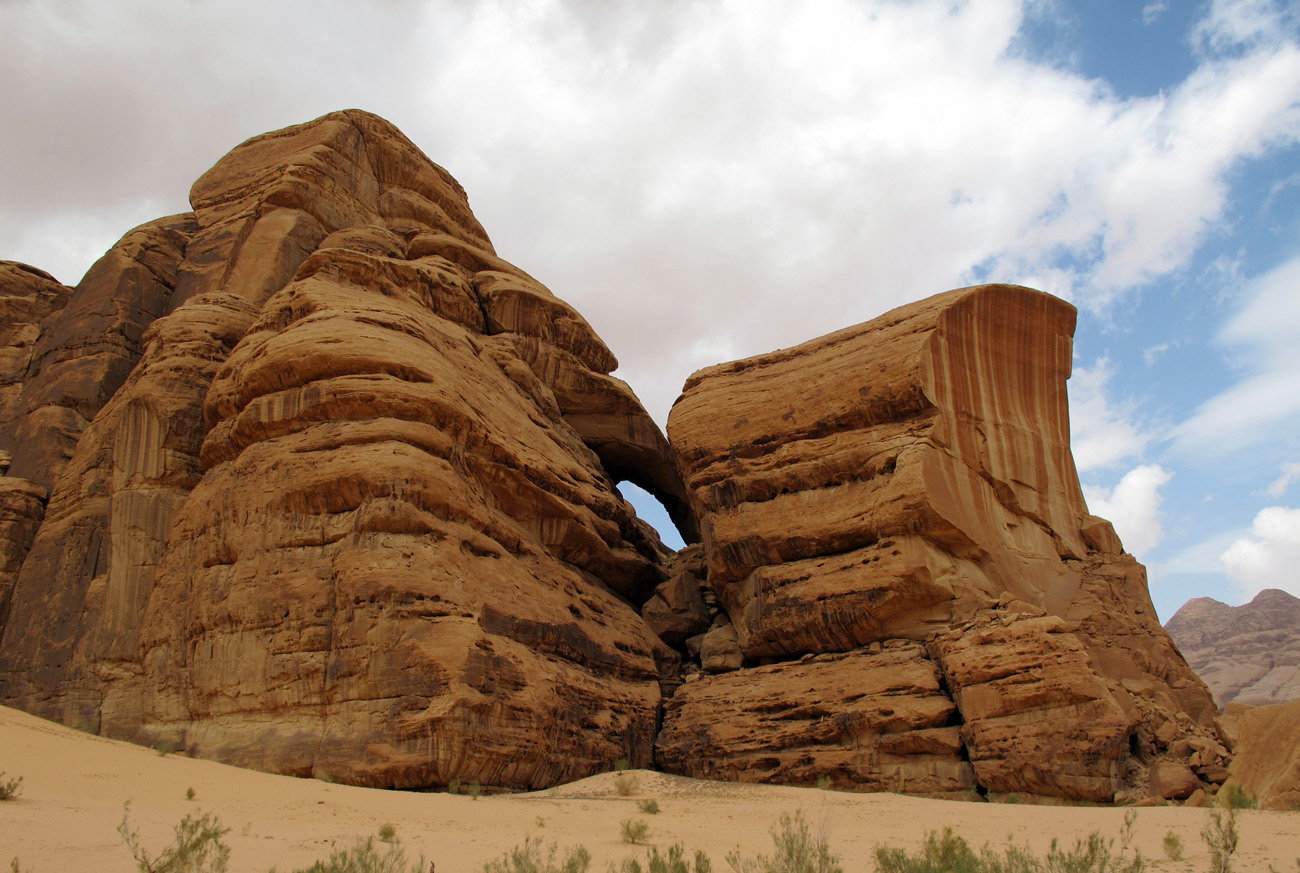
(327, 488)
(910, 479)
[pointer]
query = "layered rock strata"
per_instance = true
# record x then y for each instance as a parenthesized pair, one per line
(910, 479)
(1246, 654)
(1267, 761)
(333, 489)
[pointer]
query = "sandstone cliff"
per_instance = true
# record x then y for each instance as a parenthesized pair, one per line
(1246, 654)
(311, 480)
(327, 488)
(1267, 763)
(904, 489)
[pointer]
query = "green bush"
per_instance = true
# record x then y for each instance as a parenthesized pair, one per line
(10, 788)
(625, 784)
(948, 853)
(621, 764)
(797, 851)
(387, 832)
(475, 790)
(1233, 796)
(1220, 836)
(649, 806)
(364, 857)
(453, 787)
(824, 782)
(634, 831)
(1173, 847)
(674, 862)
(196, 847)
(528, 858)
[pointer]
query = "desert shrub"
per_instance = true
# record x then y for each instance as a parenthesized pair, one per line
(1233, 796)
(634, 831)
(10, 788)
(649, 806)
(528, 858)
(164, 747)
(387, 832)
(948, 853)
(14, 868)
(189, 793)
(625, 784)
(1220, 836)
(475, 789)
(1173, 847)
(453, 787)
(364, 857)
(824, 782)
(798, 850)
(621, 764)
(196, 847)
(674, 862)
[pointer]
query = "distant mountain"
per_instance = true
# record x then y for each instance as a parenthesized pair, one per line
(1246, 654)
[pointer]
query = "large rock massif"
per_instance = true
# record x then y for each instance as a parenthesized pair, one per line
(310, 480)
(1246, 654)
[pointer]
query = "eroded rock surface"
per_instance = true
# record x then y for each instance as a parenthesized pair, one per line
(1266, 764)
(333, 489)
(1246, 654)
(910, 479)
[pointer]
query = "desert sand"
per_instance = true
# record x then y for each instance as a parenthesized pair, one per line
(75, 785)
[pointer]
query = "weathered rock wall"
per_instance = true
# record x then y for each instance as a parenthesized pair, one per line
(327, 489)
(910, 479)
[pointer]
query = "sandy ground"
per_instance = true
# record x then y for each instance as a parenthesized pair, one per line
(74, 787)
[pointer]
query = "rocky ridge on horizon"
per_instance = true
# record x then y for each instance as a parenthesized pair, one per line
(311, 480)
(1246, 654)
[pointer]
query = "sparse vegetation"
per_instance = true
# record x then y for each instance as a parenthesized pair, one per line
(189, 793)
(475, 790)
(1233, 796)
(364, 857)
(14, 868)
(196, 848)
(798, 850)
(634, 831)
(674, 862)
(948, 853)
(528, 858)
(1173, 847)
(164, 748)
(621, 764)
(649, 806)
(625, 784)
(453, 787)
(1220, 836)
(824, 782)
(10, 788)
(541, 822)
(387, 832)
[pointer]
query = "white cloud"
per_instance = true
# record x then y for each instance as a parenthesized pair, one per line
(763, 170)
(1264, 405)
(1133, 507)
(1269, 557)
(1102, 432)
(1152, 11)
(1233, 24)
(1290, 473)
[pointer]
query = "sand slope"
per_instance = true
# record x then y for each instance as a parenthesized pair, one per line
(75, 784)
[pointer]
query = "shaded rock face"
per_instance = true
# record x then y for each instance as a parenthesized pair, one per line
(329, 488)
(310, 480)
(1246, 654)
(909, 480)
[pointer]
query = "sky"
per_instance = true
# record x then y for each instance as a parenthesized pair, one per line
(711, 179)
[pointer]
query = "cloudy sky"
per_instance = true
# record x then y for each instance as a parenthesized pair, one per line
(709, 179)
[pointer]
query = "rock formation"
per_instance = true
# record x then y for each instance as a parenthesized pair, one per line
(904, 489)
(1246, 654)
(327, 488)
(311, 480)
(1267, 761)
